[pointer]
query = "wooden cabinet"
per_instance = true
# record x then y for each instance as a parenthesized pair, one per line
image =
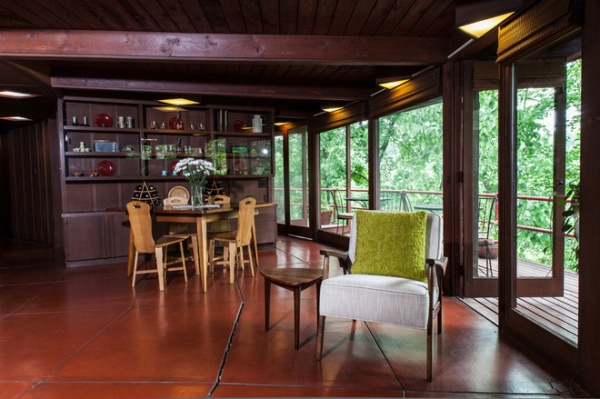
(109, 147)
(91, 236)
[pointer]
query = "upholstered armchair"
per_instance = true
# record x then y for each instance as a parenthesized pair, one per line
(392, 273)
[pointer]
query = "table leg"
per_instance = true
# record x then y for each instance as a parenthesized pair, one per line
(130, 253)
(267, 304)
(203, 252)
(297, 291)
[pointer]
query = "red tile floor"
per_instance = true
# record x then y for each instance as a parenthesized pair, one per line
(85, 333)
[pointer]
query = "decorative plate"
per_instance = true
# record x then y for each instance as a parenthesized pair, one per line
(173, 122)
(104, 120)
(106, 168)
(239, 125)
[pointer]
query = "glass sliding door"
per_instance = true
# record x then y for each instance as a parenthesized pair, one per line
(298, 156)
(539, 163)
(291, 181)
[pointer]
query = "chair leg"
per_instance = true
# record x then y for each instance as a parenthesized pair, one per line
(231, 262)
(251, 258)
(160, 268)
(211, 256)
(196, 256)
(320, 334)
(135, 266)
(183, 265)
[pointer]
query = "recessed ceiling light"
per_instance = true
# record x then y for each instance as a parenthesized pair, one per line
(15, 118)
(16, 94)
(178, 101)
(480, 28)
(168, 108)
(391, 84)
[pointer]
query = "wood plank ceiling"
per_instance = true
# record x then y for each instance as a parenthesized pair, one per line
(287, 54)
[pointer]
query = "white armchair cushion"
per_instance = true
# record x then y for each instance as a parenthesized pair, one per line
(376, 298)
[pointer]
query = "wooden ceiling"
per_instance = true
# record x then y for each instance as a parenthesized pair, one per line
(286, 54)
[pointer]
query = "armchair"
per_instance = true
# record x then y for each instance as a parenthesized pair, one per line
(374, 297)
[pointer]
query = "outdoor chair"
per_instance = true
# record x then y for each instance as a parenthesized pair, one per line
(144, 243)
(487, 245)
(234, 242)
(392, 274)
(340, 210)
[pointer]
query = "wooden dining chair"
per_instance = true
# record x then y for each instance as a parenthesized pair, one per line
(144, 243)
(219, 226)
(235, 241)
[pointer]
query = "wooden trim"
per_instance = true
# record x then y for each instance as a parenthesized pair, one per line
(343, 117)
(177, 46)
(537, 27)
(589, 272)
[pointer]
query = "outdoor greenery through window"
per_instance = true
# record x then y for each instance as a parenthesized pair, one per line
(346, 175)
(535, 148)
(410, 153)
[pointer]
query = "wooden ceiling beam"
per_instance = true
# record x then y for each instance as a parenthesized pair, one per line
(140, 46)
(220, 89)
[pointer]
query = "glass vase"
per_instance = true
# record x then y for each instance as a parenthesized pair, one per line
(196, 193)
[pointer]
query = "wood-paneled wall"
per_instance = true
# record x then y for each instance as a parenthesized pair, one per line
(27, 160)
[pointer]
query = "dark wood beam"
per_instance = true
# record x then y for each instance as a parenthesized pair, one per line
(348, 50)
(221, 89)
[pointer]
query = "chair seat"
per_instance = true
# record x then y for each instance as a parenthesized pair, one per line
(226, 236)
(374, 298)
(171, 239)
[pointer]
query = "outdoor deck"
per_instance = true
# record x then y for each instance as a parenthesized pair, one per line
(557, 314)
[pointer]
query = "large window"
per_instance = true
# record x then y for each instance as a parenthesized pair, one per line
(410, 154)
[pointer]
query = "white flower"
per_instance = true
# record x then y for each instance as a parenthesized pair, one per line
(194, 169)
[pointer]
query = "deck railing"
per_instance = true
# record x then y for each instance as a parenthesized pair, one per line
(405, 200)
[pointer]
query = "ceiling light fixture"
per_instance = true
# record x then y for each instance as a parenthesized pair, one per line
(15, 118)
(480, 28)
(390, 83)
(179, 101)
(169, 108)
(478, 17)
(16, 94)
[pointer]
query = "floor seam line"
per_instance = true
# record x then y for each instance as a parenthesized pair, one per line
(229, 341)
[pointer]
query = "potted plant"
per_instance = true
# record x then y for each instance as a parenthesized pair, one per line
(326, 214)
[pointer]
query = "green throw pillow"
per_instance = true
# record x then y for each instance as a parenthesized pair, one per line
(391, 244)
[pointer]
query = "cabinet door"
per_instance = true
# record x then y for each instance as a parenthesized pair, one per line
(119, 226)
(84, 237)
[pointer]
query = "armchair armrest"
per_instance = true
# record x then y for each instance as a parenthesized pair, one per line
(342, 257)
(440, 265)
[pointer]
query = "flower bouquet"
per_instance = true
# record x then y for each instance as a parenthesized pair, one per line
(195, 172)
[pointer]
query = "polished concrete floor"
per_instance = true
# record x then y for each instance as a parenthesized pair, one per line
(86, 333)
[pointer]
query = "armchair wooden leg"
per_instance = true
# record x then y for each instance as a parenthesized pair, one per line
(320, 333)
(429, 350)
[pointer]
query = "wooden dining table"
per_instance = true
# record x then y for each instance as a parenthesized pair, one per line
(199, 216)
